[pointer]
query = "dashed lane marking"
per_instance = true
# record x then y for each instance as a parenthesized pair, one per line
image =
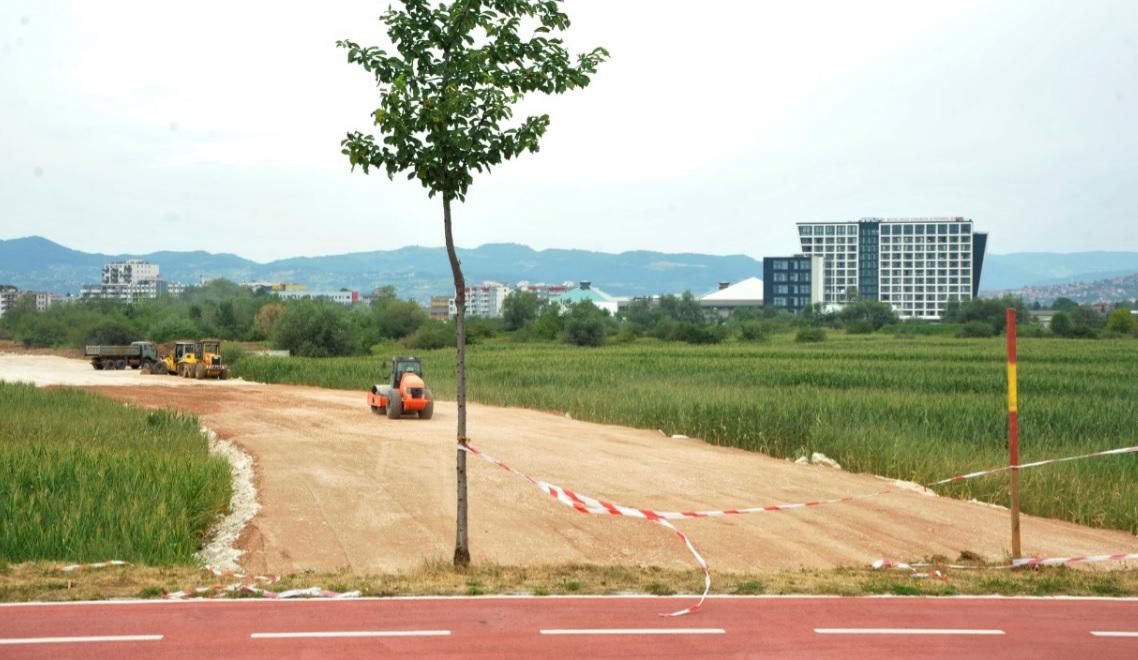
(633, 631)
(907, 631)
(349, 633)
(1114, 633)
(81, 640)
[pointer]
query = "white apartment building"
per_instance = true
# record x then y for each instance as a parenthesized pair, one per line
(916, 265)
(129, 271)
(128, 281)
(8, 298)
(341, 297)
(483, 301)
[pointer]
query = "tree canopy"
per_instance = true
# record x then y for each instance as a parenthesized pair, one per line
(446, 93)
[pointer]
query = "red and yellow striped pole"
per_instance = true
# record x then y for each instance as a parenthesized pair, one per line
(1013, 430)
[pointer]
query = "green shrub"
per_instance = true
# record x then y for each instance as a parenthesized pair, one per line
(430, 336)
(753, 331)
(977, 330)
(810, 335)
(626, 335)
(110, 332)
(692, 333)
(1061, 324)
(1122, 322)
(584, 325)
(859, 327)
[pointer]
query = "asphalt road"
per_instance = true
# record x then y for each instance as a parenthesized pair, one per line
(781, 627)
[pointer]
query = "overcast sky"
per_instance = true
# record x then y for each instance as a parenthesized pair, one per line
(139, 126)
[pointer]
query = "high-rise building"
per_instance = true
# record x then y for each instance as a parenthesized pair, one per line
(916, 265)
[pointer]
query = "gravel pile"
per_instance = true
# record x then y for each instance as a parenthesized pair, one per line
(221, 552)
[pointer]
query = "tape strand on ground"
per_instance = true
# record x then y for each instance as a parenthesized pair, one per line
(593, 506)
(1026, 562)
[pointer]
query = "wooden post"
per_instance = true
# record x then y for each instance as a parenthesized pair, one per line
(1013, 431)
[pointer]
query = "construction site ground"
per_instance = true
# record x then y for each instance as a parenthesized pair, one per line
(343, 488)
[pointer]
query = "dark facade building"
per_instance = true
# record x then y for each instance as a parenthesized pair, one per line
(792, 283)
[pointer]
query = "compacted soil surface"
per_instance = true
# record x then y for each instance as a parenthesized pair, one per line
(343, 488)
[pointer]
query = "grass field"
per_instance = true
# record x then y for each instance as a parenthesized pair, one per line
(919, 409)
(83, 478)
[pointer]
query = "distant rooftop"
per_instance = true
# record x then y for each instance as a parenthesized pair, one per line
(955, 218)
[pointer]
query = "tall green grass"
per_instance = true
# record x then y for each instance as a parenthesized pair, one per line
(919, 408)
(83, 478)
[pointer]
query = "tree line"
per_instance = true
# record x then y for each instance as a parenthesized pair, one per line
(321, 328)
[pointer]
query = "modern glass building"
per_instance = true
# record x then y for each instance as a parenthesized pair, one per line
(915, 264)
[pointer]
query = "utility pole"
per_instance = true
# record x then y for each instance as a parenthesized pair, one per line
(1013, 431)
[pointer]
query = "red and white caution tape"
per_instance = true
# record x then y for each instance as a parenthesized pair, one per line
(1027, 562)
(586, 504)
(593, 506)
(1025, 466)
(912, 568)
(220, 591)
(1083, 559)
(267, 579)
(102, 564)
(243, 586)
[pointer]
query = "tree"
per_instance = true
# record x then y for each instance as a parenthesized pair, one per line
(1064, 304)
(395, 318)
(1061, 324)
(869, 314)
(446, 100)
(313, 328)
(1122, 322)
(684, 309)
(519, 308)
(267, 318)
(585, 324)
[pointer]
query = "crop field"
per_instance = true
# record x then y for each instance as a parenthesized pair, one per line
(88, 479)
(918, 409)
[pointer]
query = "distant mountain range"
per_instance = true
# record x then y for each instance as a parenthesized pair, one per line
(1110, 289)
(39, 264)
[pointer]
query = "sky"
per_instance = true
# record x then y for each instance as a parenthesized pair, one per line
(129, 126)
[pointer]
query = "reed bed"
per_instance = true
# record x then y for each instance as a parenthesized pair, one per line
(84, 478)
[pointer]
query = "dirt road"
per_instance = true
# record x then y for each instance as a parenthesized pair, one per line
(344, 488)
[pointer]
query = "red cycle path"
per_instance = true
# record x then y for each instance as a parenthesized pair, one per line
(512, 627)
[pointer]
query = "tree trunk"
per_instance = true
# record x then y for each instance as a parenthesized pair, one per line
(461, 541)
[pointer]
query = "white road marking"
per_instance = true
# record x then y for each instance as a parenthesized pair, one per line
(907, 631)
(350, 633)
(1114, 633)
(633, 631)
(81, 640)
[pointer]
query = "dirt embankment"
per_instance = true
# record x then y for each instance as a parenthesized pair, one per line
(344, 488)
